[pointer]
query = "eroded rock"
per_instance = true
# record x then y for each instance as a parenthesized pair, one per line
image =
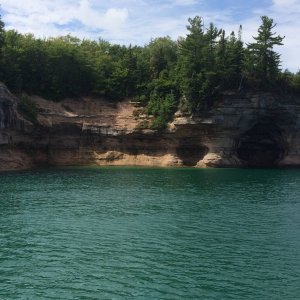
(240, 131)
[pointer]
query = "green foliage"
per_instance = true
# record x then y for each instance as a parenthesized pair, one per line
(194, 69)
(162, 108)
(163, 55)
(230, 60)
(141, 100)
(296, 82)
(163, 102)
(264, 61)
(198, 69)
(28, 109)
(53, 68)
(2, 26)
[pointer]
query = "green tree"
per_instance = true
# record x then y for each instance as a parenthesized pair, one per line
(264, 61)
(68, 71)
(191, 71)
(163, 55)
(10, 61)
(209, 51)
(295, 82)
(197, 73)
(2, 30)
(230, 60)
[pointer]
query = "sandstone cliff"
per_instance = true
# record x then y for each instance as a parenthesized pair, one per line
(249, 130)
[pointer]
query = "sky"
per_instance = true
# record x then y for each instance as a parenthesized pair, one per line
(137, 21)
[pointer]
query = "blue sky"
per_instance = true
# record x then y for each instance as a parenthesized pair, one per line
(137, 21)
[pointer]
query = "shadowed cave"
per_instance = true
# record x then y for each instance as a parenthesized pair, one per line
(190, 154)
(262, 146)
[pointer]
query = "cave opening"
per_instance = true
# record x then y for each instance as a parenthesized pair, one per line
(262, 146)
(190, 154)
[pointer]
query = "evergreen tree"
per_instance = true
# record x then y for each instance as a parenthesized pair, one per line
(2, 26)
(194, 70)
(230, 60)
(211, 36)
(198, 73)
(2, 37)
(264, 61)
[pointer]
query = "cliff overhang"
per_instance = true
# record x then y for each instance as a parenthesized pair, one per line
(249, 130)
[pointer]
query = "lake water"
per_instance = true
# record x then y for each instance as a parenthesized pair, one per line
(135, 233)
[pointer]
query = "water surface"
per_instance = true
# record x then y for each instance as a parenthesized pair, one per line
(134, 233)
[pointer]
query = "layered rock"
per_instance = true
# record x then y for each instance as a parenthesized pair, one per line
(249, 130)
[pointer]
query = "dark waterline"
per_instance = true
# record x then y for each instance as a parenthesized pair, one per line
(135, 233)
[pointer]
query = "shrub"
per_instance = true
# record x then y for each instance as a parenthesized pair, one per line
(163, 109)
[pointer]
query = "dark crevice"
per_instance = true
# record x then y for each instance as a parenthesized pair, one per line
(191, 154)
(262, 146)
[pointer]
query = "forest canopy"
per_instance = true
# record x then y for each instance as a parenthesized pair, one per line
(190, 72)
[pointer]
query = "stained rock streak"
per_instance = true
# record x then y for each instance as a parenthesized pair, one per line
(241, 130)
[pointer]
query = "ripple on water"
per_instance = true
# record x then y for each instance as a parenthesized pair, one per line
(133, 233)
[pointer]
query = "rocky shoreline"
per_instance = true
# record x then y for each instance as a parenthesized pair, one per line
(249, 130)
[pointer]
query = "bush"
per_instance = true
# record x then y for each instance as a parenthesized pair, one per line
(296, 83)
(163, 109)
(159, 123)
(141, 100)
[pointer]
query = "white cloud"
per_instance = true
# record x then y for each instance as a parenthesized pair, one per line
(115, 17)
(137, 21)
(284, 2)
(286, 14)
(112, 19)
(184, 2)
(56, 17)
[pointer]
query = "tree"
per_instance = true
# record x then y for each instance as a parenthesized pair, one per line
(295, 82)
(192, 71)
(2, 38)
(264, 60)
(230, 60)
(11, 53)
(198, 74)
(2, 26)
(163, 55)
(211, 36)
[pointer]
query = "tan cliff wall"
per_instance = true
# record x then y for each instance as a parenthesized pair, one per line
(259, 130)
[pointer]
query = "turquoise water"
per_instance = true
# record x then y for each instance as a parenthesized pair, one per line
(133, 233)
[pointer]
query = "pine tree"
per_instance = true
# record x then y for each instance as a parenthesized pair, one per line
(197, 64)
(231, 58)
(266, 62)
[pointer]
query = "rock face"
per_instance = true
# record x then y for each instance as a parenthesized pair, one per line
(7, 112)
(12, 126)
(250, 130)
